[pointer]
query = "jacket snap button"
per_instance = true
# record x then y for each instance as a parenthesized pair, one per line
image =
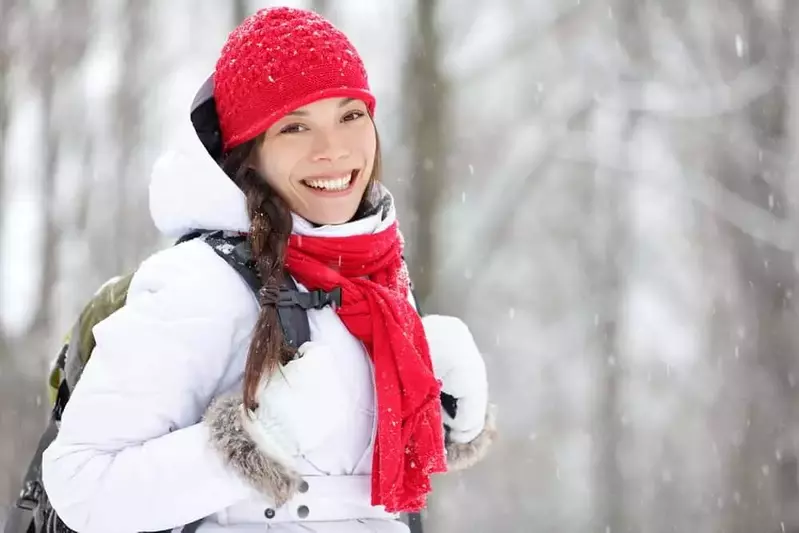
(303, 487)
(303, 511)
(269, 513)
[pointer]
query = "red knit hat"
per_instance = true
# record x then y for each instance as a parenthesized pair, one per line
(280, 59)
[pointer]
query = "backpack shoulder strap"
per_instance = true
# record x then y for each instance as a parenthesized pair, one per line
(293, 318)
(236, 251)
(21, 515)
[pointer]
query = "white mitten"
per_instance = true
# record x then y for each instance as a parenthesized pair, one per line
(460, 367)
(298, 408)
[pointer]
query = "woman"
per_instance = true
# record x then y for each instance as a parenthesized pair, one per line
(192, 407)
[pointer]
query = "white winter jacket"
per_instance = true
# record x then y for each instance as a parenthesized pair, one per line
(133, 453)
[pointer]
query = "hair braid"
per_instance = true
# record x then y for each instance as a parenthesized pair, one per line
(269, 233)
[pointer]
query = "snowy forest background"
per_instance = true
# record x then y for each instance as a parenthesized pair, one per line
(606, 190)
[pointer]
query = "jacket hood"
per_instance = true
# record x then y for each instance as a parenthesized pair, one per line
(188, 189)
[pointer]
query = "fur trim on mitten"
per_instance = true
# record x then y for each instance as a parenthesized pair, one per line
(461, 456)
(229, 437)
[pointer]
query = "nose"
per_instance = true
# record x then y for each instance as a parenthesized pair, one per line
(329, 146)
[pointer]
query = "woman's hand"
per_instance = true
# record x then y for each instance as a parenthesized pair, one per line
(298, 408)
(460, 367)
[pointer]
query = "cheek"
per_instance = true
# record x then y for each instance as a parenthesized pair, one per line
(368, 146)
(277, 171)
(276, 177)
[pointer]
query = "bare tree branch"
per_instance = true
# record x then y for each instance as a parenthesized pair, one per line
(523, 46)
(703, 189)
(707, 101)
(526, 152)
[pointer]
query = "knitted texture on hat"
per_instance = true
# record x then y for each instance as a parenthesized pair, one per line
(280, 59)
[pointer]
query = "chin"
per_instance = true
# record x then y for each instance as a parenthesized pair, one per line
(330, 212)
(330, 219)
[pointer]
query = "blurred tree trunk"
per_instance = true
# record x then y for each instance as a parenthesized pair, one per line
(788, 473)
(129, 239)
(5, 109)
(425, 110)
(775, 122)
(240, 11)
(321, 6)
(609, 220)
(45, 72)
(762, 465)
(57, 37)
(425, 115)
(606, 243)
(62, 42)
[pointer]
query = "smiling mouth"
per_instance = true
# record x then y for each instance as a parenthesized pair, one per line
(333, 183)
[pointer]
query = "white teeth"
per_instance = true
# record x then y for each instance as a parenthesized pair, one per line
(335, 184)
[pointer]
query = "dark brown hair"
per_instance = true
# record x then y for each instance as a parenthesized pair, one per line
(270, 228)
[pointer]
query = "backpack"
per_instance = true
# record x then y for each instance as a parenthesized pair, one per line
(79, 344)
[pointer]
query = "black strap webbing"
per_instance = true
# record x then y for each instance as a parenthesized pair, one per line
(293, 319)
(415, 519)
(415, 522)
(188, 528)
(191, 528)
(20, 519)
(292, 304)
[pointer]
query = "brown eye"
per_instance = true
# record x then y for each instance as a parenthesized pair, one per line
(293, 128)
(352, 115)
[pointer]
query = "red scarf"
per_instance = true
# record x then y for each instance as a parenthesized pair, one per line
(409, 445)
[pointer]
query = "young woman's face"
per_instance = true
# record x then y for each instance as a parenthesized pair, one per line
(319, 158)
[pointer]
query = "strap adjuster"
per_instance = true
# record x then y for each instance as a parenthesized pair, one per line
(316, 299)
(30, 496)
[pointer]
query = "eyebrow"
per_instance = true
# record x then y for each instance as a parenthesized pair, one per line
(301, 113)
